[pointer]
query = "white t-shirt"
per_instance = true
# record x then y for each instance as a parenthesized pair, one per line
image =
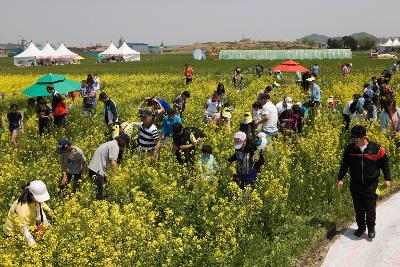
(96, 84)
(271, 125)
(363, 147)
(212, 107)
(103, 156)
(281, 108)
(346, 110)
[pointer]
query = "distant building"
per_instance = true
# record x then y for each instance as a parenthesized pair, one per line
(156, 49)
(6, 49)
(139, 47)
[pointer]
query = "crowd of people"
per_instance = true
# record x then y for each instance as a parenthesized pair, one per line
(162, 124)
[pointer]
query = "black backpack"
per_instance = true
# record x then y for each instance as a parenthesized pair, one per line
(353, 106)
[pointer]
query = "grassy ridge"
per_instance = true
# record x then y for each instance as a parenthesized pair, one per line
(174, 64)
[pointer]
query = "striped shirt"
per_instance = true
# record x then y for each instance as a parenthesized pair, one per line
(148, 137)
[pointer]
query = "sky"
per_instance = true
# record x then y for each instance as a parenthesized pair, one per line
(86, 22)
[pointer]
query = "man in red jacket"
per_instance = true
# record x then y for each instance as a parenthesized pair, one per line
(364, 160)
(188, 74)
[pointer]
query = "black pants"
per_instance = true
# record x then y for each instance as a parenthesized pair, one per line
(99, 181)
(44, 128)
(347, 121)
(59, 121)
(364, 201)
(76, 178)
(188, 80)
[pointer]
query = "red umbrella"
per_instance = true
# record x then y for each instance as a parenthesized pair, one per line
(290, 66)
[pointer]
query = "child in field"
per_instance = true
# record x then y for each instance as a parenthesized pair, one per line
(208, 164)
(44, 116)
(15, 124)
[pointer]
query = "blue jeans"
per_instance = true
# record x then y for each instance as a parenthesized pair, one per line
(89, 109)
(271, 136)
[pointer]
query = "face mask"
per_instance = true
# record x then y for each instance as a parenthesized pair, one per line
(354, 140)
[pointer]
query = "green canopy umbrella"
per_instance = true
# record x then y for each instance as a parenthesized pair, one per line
(51, 78)
(60, 84)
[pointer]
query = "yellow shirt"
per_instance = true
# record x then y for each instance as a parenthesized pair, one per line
(21, 216)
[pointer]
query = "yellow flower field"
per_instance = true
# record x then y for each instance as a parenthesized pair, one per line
(159, 214)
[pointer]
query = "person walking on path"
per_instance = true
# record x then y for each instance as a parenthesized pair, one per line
(364, 159)
(58, 107)
(188, 74)
(72, 161)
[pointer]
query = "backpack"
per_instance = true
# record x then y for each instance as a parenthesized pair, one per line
(353, 106)
(60, 110)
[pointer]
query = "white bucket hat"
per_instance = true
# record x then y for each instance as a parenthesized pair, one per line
(39, 191)
(240, 139)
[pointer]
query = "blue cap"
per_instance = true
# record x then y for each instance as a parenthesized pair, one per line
(62, 145)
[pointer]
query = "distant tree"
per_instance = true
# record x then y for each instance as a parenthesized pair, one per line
(334, 44)
(349, 42)
(366, 43)
(309, 42)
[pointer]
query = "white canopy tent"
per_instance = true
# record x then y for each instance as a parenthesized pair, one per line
(47, 52)
(396, 43)
(127, 53)
(64, 53)
(199, 54)
(388, 43)
(110, 51)
(27, 57)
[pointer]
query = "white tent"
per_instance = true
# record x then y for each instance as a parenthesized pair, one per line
(47, 52)
(199, 54)
(27, 57)
(396, 43)
(128, 53)
(63, 52)
(388, 43)
(110, 50)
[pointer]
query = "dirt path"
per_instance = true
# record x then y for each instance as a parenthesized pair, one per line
(383, 250)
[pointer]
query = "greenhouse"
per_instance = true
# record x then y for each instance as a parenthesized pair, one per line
(286, 54)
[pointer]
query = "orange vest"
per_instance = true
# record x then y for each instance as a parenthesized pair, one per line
(189, 72)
